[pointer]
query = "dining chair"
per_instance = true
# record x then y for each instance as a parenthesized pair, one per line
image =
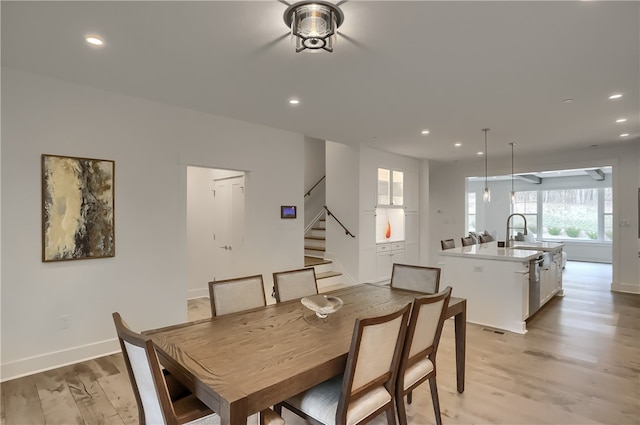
(415, 278)
(294, 284)
(418, 361)
(156, 403)
(467, 241)
(367, 387)
(239, 294)
(485, 238)
(448, 244)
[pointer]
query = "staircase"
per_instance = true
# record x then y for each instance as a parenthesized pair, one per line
(314, 250)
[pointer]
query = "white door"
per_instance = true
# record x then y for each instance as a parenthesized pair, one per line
(228, 225)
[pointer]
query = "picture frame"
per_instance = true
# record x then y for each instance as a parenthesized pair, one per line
(288, 211)
(78, 216)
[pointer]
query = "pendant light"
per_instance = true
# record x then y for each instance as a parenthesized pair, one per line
(513, 193)
(486, 196)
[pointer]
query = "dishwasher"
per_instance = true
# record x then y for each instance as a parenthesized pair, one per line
(534, 284)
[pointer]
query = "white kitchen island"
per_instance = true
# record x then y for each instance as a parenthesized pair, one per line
(503, 286)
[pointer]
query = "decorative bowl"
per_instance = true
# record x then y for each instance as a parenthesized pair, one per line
(322, 305)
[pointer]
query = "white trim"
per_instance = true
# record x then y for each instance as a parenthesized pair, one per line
(625, 287)
(56, 359)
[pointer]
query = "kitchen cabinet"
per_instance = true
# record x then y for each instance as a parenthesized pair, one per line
(386, 255)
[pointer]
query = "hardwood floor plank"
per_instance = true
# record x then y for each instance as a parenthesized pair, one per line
(118, 390)
(21, 402)
(58, 404)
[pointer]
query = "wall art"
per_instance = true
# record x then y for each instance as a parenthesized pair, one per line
(77, 208)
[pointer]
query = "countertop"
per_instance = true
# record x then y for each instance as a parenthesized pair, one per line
(490, 251)
(540, 246)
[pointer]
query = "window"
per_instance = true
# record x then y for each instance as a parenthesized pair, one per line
(390, 187)
(608, 214)
(570, 214)
(526, 203)
(471, 212)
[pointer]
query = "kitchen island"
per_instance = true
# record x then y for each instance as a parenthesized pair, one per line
(503, 286)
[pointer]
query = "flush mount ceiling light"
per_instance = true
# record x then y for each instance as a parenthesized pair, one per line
(314, 24)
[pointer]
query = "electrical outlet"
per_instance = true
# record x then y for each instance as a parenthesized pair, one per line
(625, 223)
(65, 321)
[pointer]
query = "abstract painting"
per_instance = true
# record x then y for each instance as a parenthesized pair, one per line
(77, 208)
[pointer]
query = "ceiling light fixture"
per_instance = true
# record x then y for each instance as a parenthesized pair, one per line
(94, 40)
(615, 96)
(457, 145)
(486, 195)
(513, 193)
(624, 135)
(621, 120)
(425, 132)
(294, 102)
(314, 24)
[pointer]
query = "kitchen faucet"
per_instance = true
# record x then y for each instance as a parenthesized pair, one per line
(509, 242)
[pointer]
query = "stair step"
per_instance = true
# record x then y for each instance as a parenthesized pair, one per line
(314, 248)
(325, 275)
(316, 238)
(319, 228)
(315, 261)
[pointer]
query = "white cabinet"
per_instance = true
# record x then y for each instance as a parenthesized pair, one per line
(550, 277)
(386, 255)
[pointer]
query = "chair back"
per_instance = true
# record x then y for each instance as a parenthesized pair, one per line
(145, 374)
(372, 365)
(485, 238)
(423, 334)
(415, 278)
(233, 295)
(467, 241)
(294, 284)
(448, 244)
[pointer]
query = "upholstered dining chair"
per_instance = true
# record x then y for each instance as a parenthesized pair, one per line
(233, 295)
(467, 241)
(447, 244)
(366, 389)
(156, 403)
(415, 278)
(418, 362)
(485, 238)
(294, 284)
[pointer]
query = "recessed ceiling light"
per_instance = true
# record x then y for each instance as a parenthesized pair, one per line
(615, 96)
(480, 153)
(457, 145)
(424, 132)
(568, 100)
(624, 135)
(94, 40)
(294, 101)
(621, 120)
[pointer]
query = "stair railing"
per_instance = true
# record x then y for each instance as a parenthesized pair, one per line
(347, 232)
(314, 186)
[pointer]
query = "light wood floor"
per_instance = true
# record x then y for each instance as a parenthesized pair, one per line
(578, 364)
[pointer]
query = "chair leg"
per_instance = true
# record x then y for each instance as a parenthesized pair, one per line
(391, 415)
(278, 409)
(402, 411)
(435, 400)
(410, 397)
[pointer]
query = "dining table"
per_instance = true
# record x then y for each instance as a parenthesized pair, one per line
(241, 363)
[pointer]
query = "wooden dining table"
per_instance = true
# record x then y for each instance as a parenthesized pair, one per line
(241, 363)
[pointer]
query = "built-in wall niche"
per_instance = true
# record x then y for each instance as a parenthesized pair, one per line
(389, 225)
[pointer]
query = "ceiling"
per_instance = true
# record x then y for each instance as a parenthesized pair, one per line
(398, 67)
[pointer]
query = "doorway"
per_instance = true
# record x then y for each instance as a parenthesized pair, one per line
(215, 226)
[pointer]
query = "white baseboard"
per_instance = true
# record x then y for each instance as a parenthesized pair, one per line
(197, 293)
(625, 287)
(43, 362)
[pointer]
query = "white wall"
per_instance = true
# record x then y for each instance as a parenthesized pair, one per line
(314, 169)
(342, 199)
(146, 281)
(447, 209)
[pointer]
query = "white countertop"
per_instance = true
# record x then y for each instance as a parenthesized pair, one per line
(490, 251)
(540, 246)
